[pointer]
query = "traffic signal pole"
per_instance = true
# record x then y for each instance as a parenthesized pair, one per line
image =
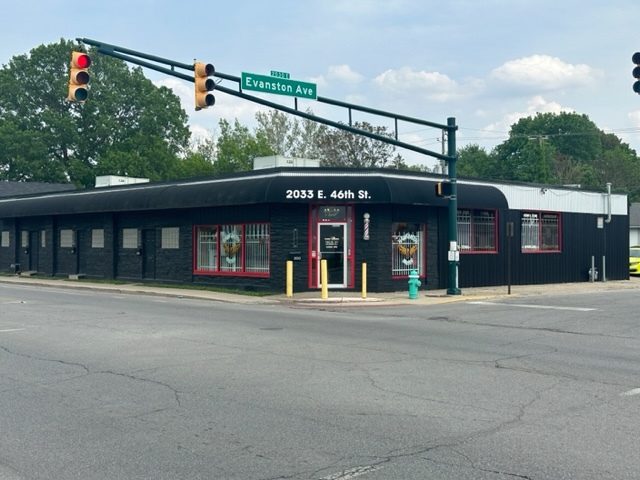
(135, 57)
(129, 55)
(453, 253)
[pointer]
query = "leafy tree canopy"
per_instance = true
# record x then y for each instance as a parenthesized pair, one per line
(561, 149)
(291, 136)
(340, 148)
(570, 134)
(127, 126)
(237, 147)
(301, 137)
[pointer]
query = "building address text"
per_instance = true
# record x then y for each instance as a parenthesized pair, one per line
(327, 195)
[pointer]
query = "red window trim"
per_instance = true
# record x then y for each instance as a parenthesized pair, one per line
(493, 251)
(540, 250)
(218, 273)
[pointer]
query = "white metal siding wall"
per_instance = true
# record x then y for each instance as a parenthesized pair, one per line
(524, 197)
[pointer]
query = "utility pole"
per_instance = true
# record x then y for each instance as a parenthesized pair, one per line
(443, 164)
(542, 160)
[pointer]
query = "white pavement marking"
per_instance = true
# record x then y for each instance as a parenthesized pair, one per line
(548, 307)
(635, 391)
(12, 330)
(352, 473)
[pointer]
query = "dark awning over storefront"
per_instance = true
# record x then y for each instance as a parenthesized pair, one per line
(282, 185)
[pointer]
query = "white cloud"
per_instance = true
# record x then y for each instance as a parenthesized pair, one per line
(434, 86)
(226, 106)
(635, 118)
(340, 74)
(199, 133)
(180, 88)
(204, 124)
(356, 99)
(634, 136)
(343, 73)
(320, 81)
(544, 72)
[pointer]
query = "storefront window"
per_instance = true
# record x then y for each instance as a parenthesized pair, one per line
(540, 232)
(233, 249)
(407, 248)
(207, 258)
(476, 231)
(256, 250)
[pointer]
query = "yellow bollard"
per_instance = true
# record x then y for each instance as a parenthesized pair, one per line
(324, 279)
(289, 278)
(364, 280)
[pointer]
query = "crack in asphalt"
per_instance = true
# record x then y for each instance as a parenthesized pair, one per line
(522, 327)
(88, 372)
(479, 434)
(44, 359)
(375, 385)
(176, 392)
(473, 465)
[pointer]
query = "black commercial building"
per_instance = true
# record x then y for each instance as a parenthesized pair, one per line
(239, 231)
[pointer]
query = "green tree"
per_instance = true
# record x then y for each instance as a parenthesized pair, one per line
(305, 138)
(199, 160)
(24, 155)
(565, 148)
(569, 134)
(618, 165)
(193, 165)
(289, 135)
(568, 171)
(307, 134)
(474, 161)
(341, 148)
(524, 159)
(279, 130)
(127, 125)
(237, 147)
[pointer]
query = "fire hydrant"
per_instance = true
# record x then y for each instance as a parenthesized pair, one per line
(414, 283)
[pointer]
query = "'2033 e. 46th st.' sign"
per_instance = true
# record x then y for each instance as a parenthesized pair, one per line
(329, 195)
(278, 85)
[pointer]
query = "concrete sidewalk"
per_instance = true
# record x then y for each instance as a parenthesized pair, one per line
(341, 298)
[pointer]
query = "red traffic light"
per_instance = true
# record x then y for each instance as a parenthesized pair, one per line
(82, 60)
(79, 77)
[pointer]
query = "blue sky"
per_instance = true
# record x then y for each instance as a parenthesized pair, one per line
(487, 63)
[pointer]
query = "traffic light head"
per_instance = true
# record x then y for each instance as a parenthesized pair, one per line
(79, 77)
(636, 72)
(444, 189)
(204, 84)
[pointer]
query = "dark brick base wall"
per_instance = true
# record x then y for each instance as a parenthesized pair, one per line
(289, 233)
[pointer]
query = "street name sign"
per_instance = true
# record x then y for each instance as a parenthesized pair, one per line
(278, 85)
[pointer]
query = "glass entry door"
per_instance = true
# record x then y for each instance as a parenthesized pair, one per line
(332, 247)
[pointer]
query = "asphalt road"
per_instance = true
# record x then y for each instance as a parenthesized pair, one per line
(96, 385)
